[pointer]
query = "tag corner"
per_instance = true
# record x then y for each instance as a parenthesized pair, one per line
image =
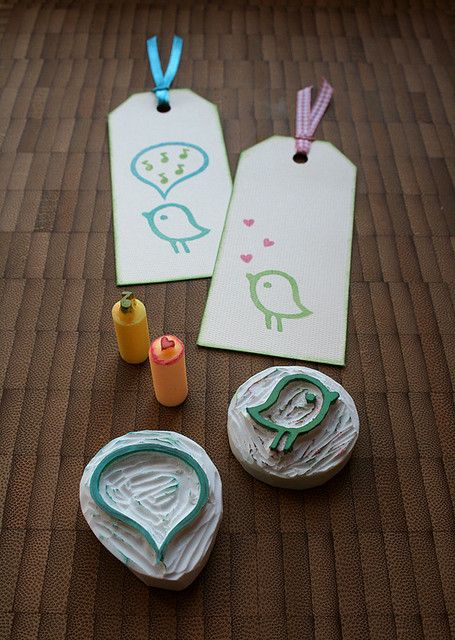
(122, 105)
(338, 152)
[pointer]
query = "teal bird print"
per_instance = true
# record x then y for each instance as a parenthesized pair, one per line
(276, 294)
(176, 224)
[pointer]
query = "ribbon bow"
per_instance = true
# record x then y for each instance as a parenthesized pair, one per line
(307, 118)
(164, 81)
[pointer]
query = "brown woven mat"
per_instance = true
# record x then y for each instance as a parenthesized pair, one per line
(372, 553)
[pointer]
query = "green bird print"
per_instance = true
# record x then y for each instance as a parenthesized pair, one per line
(276, 295)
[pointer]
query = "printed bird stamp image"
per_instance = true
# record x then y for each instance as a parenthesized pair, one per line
(176, 224)
(276, 294)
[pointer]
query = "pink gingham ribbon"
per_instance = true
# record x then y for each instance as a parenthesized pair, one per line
(307, 118)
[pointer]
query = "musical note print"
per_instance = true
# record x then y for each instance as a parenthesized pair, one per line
(163, 177)
(184, 153)
(164, 157)
(148, 165)
(179, 170)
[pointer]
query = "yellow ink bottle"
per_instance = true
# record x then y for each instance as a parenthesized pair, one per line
(131, 328)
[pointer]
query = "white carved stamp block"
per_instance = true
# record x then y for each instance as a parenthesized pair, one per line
(153, 499)
(292, 427)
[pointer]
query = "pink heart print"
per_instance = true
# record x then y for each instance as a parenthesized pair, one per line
(268, 243)
(246, 257)
(248, 222)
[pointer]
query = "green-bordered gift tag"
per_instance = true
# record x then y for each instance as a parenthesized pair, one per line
(170, 180)
(281, 281)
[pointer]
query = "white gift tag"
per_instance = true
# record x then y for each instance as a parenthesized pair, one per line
(171, 185)
(281, 281)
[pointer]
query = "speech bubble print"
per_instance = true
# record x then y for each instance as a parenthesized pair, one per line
(162, 166)
(155, 489)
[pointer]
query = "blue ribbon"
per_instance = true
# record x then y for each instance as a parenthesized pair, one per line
(164, 81)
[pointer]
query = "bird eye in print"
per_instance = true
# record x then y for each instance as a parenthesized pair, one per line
(176, 224)
(276, 294)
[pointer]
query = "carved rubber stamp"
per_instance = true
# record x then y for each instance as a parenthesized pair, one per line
(153, 499)
(292, 427)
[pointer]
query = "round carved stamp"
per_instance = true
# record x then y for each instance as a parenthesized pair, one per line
(292, 427)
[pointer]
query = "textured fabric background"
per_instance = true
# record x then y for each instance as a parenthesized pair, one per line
(372, 553)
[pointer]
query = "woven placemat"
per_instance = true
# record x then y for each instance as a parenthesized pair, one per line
(372, 553)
